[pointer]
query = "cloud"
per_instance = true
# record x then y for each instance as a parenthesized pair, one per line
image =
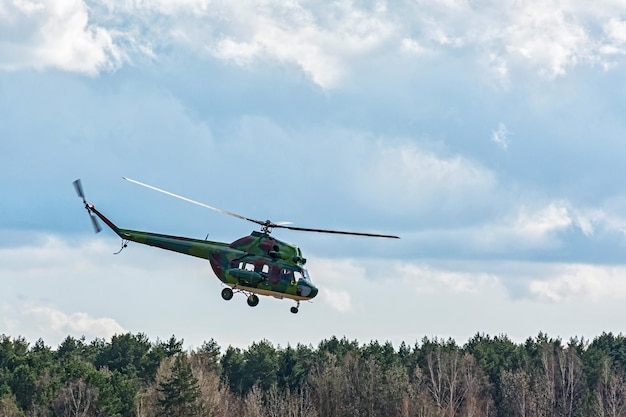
(50, 319)
(561, 215)
(321, 42)
(581, 282)
(329, 42)
(55, 34)
(336, 279)
(417, 179)
(338, 300)
(427, 279)
(547, 36)
(34, 320)
(340, 279)
(501, 136)
(536, 225)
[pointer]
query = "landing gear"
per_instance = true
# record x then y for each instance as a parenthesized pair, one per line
(294, 310)
(227, 294)
(253, 300)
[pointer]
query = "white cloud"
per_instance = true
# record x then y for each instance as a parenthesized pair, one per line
(615, 30)
(420, 179)
(54, 34)
(320, 43)
(558, 216)
(426, 279)
(527, 228)
(501, 136)
(50, 319)
(338, 300)
(34, 320)
(412, 46)
(614, 44)
(327, 41)
(335, 278)
(535, 225)
(548, 36)
(581, 282)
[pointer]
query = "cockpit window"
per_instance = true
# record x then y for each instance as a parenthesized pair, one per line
(305, 274)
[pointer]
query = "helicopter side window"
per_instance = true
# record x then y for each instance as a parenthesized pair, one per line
(249, 267)
(261, 267)
(286, 274)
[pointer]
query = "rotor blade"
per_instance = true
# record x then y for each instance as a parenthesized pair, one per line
(283, 223)
(337, 232)
(79, 189)
(230, 213)
(96, 225)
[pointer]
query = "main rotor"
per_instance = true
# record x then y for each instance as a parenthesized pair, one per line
(267, 225)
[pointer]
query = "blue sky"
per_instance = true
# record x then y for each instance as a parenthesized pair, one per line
(488, 135)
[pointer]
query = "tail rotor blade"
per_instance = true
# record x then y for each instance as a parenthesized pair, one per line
(96, 225)
(79, 189)
(94, 221)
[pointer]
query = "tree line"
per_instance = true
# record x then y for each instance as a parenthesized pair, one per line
(487, 376)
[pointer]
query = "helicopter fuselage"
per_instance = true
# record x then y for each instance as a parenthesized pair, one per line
(257, 264)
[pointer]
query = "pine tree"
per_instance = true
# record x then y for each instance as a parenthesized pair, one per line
(179, 391)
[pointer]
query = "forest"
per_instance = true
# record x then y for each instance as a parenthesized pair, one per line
(130, 375)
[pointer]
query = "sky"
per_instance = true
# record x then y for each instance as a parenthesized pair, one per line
(488, 135)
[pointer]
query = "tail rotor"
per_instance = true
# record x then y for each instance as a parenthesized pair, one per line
(94, 221)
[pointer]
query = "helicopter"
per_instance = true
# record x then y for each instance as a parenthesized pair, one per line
(257, 264)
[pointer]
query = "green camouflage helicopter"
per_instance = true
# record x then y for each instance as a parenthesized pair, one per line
(254, 265)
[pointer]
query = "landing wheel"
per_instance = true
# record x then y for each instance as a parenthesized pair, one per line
(227, 294)
(253, 300)
(294, 309)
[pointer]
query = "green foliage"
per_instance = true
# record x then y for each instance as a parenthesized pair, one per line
(494, 355)
(9, 407)
(210, 355)
(260, 366)
(491, 376)
(179, 391)
(294, 366)
(233, 369)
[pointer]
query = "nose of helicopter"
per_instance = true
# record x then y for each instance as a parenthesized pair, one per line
(314, 291)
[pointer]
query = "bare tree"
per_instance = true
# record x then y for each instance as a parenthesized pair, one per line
(329, 386)
(253, 403)
(571, 382)
(478, 399)
(275, 404)
(610, 393)
(300, 403)
(215, 398)
(445, 379)
(420, 402)
(517, 395)
(76, 399)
